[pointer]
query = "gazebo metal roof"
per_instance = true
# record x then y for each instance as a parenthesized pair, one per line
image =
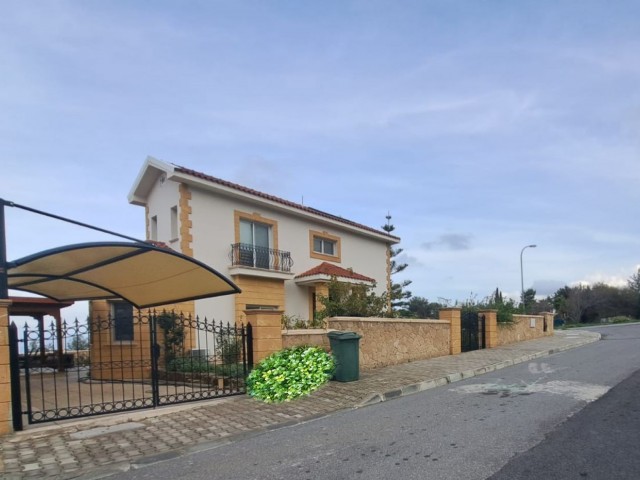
(141, 273)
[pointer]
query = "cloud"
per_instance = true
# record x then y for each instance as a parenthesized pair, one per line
(450, 241)
(545, 288)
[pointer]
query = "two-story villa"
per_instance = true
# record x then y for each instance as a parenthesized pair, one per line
(281, 254)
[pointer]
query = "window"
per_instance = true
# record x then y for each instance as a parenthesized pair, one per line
(254, 237)
(154, 228)
(262, 307)
(174, 223)
(122, 314)
(324, 246)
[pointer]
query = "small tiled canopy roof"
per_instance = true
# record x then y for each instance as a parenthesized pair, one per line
(329, 270)
(141, 273)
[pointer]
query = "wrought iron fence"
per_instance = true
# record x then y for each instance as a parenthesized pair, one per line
(248, 255)
(118, 364)
(472, 331)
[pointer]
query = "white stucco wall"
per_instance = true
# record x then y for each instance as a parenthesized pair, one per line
(162, 198)
(213, 234)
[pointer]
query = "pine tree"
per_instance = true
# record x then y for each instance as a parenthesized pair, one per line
(399, 296)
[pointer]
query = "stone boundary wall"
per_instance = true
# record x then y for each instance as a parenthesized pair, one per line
(388, 341)
(521, 330)
(316, 337)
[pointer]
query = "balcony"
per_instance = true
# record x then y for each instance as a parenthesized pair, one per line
(250, 260)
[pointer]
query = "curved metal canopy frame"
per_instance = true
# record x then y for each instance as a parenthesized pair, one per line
(141, 273)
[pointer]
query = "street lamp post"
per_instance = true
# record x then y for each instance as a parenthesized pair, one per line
(522, 274)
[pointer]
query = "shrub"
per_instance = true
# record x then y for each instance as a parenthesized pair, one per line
(621, 319)
(290, 322)
(289, 374)
(349, 300)
(202, 366)
(189, 365)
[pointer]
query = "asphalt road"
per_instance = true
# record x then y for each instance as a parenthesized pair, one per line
(599, 442)
(466, 430)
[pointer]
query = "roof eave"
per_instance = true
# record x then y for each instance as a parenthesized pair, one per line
(324, 278)
(233, 192)
(151, 170)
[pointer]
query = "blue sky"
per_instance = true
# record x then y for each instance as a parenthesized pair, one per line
(481, 126)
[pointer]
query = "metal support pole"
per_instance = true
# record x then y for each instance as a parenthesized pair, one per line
(522, 276)
(4, 282)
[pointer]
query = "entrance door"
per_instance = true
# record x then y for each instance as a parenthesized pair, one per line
(255, 238)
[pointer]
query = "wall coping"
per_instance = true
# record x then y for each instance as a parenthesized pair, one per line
(525, 315)
(388, 320)
(305, 331)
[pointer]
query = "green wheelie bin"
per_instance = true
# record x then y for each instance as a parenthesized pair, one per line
(345, 349)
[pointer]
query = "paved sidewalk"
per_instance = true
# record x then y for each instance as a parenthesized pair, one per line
(100, 446)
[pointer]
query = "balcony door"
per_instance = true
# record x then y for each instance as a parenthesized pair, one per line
(254, 237)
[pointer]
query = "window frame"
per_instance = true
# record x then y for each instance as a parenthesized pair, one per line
(115, 330)
(174, 223)
(325, 237)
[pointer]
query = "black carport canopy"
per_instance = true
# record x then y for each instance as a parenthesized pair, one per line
(143, 274)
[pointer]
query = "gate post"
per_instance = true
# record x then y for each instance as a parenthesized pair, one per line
(267, 332)
(490, 327)
(548, 322)
(452, 315)
(16, 394)
(6, 412)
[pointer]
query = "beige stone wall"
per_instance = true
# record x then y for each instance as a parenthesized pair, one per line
(521, 330)
(394, 341)
(316, 337)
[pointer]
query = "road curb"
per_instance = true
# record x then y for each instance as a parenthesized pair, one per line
(379, 397)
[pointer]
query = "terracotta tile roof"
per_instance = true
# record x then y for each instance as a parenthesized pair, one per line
(266, 196)
(335, 271)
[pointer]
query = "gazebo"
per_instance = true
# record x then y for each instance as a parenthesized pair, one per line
(38, 308)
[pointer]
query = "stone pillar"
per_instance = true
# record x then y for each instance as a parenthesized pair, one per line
(490, 327)
(6, 417)
(548, 319)
(452, 315)
(267, 332)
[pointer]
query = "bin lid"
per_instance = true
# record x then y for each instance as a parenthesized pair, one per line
(344, 335)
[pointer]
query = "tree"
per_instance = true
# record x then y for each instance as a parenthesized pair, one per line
(495, 301)
(528, 299)
(591, 303)
(349, 300)
(634, 287)
(398, 295)
(420, 307)
(78, 342)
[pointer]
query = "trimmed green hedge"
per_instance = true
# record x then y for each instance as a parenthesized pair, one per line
(290, 373)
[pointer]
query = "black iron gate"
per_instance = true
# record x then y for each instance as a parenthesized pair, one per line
(127, 362)
(472, 331)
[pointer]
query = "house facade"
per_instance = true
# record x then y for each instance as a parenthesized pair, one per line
(281, 254)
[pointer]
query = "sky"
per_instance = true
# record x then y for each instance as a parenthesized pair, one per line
(479, 126)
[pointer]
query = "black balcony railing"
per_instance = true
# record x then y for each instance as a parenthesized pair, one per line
(247, 255)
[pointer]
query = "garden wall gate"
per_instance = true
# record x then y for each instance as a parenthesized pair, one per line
(128, 362)
(472, 331)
